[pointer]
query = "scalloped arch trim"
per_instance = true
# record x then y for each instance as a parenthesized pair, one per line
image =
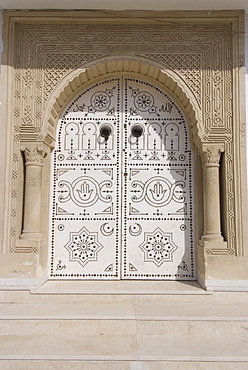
(81, 77)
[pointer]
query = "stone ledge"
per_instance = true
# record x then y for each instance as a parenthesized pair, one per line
(121, 365)
(139, 311)
(120, 287)
(125, 347)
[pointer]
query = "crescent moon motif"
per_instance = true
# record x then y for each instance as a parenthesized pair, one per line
(106, 230)
(135, 230)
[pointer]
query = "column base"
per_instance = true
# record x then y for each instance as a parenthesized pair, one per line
(215, 247)
(28, 245)
(31, 235)
(212, 237)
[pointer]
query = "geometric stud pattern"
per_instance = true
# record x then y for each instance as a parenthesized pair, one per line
(83, 246)
(158, 247)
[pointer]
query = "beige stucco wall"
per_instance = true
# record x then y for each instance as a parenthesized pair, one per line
(28, 269)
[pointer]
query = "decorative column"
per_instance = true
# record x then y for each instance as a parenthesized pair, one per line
(210, 155)
(34, 154)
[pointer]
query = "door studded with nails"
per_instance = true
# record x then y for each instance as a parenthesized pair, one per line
(122, 188)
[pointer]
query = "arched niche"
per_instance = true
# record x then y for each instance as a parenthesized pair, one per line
(171, 82)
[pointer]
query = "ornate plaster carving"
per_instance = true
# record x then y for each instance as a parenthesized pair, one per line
(195, 61)
(74, 81)
(210, 154)
(34, 153)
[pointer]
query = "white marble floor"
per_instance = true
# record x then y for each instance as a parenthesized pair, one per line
(133, 332)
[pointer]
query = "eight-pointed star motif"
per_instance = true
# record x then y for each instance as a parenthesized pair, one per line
(83, 246)
(158, 247)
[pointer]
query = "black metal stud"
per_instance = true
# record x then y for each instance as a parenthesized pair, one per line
(137, 130)
(105, 131)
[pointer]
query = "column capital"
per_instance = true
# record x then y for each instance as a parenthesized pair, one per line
(34, 153)
(210, 154)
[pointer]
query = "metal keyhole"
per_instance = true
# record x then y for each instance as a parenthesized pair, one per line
(105, 131)
(137, 130)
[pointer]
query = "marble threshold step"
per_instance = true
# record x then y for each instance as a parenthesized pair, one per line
(120, 365)
(123, 332)
(125, 311)
(120, 287)
(24, 296)
(148, 318)
(123, 327)
(128, 347)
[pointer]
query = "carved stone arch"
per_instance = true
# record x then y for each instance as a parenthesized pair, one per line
(175, 85)
(86, 74)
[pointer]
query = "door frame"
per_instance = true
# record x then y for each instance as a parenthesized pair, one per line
(208, 156)
(63, 270)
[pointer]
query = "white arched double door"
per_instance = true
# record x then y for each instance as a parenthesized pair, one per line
(122, 196)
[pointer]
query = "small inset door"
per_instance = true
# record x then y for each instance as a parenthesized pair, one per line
(122, 197)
